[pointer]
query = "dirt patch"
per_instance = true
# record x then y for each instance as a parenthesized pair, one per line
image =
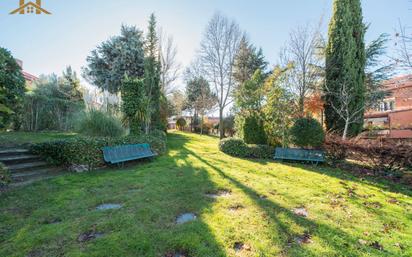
(236, 207)
(176, 254)
(306, 238)
(239, 247)
(89, 235)
(219, 193)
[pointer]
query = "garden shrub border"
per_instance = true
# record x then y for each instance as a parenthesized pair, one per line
(88, 150)
(236, 147)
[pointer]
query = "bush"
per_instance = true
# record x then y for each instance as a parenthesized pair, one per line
(238, 148)
(5, 177)
(381, 156)
(88, 150)
(251, 129)
(261, 151)
(181, 123)
(234, 147)
(307, 133)
(99, 124)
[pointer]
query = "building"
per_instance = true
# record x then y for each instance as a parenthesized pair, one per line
(27, 76)
(393, 116)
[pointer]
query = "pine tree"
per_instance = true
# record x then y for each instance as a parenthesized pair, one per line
(345, 65)
(247, 61)
(152, 73)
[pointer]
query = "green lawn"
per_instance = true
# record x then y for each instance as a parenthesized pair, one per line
(347, 216)
(20, 138)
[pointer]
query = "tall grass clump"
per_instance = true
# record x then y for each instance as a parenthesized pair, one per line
(100, 124)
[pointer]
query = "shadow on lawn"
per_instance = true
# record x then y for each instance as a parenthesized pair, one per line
(191, 184)
(152, 195)
(343, 174)
(339, 241)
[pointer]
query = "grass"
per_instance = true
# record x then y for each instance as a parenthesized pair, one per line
(21, 138)
(347, 216)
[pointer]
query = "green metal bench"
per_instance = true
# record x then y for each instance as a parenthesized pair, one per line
(314, 156)
(124, 153)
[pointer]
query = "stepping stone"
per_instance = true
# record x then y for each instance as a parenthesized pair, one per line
(301, 212)
(108, 206)
(186, 217)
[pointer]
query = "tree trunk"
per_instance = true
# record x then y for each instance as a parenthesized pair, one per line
(221, 127)
(201, 125)
(345, 131)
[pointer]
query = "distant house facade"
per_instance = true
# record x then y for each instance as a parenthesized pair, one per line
(27, 76)
(393, 116)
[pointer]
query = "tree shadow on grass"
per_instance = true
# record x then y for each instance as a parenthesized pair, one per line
(152, 197)
(343, 174)
(340, 242)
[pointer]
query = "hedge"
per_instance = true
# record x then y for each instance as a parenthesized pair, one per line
(238, 148)
(381, 156)
(88, 150)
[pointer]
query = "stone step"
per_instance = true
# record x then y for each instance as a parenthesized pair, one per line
(13, 152)
(30, 166)
(16, 159)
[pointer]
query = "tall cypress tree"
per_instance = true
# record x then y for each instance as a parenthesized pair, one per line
(345, 63)
(152, 73)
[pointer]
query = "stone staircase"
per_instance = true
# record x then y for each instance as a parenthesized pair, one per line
(26, 168)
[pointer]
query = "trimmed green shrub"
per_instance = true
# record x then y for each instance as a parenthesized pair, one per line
(251, 129)
(238, 148)
(261, 151)
(234, 147)
(181, 123)
(5, 177)
(88, 150)
(307, 133)
(99, 124)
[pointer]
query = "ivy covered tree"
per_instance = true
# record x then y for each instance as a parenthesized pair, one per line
(12, 88)
(116, 58)
(345, 68)
(279, 109)
(152, 69)
(248, 100)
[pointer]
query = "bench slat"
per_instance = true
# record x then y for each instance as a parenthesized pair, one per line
(118, 154)
(299, 155)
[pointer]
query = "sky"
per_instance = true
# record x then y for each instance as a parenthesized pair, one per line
(49, 43)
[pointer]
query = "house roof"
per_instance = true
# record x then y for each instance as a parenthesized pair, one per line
(398, 82)
(30, 4)
(29, 77)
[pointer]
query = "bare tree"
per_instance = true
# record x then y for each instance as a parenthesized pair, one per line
(404, 47)
(170, 67)
(301, 56)
(344, 100)
(219, 48)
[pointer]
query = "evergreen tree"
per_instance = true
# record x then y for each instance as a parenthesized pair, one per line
(247, 61)
(345, 65)
(116, 58)
(152, 73)
(12, 87)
